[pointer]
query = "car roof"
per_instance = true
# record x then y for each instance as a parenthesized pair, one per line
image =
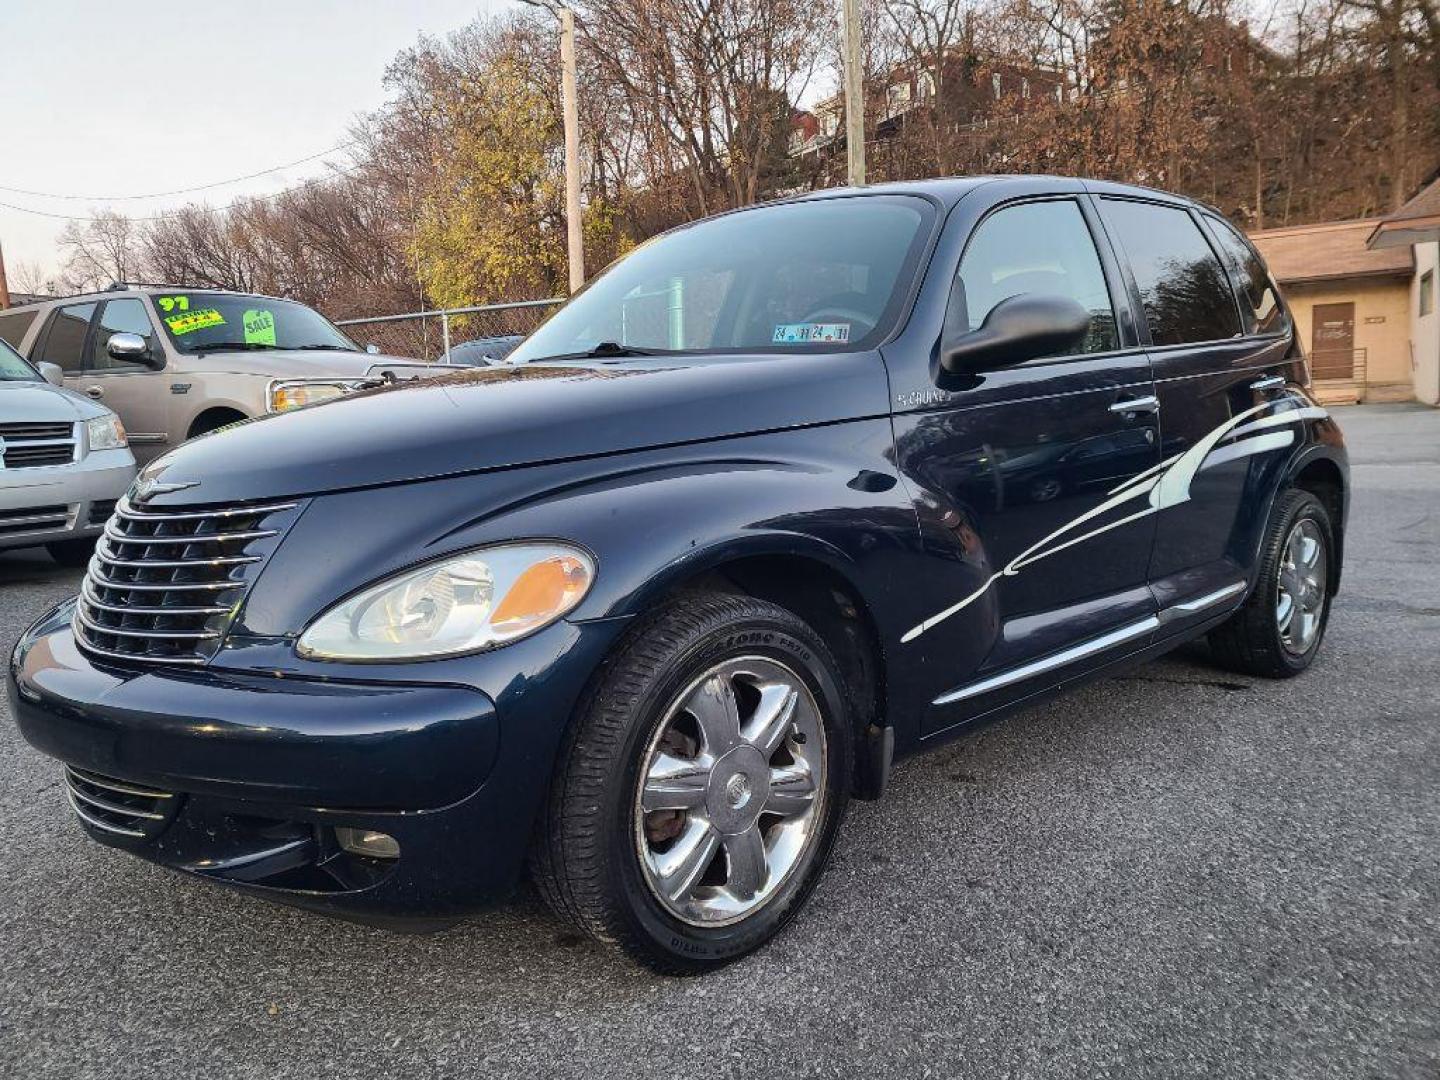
(136, 290)
(949, 190)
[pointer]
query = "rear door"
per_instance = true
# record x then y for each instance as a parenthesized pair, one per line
(1024, 462)
(140, 394)
(1213, 376)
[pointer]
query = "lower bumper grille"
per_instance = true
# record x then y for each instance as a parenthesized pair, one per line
(119, 807)
(34, 519)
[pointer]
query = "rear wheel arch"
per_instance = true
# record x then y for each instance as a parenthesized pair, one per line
(1324, 479)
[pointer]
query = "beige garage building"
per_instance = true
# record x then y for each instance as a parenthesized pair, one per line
(1351, 304)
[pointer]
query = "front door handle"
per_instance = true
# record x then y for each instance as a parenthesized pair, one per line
(96, 392)
(1270, 382)
(1130, 406)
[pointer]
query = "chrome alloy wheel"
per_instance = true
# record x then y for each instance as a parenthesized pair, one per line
(1300, 595)
(731, 791)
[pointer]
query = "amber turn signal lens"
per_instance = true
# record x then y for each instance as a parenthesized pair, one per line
(544, 590)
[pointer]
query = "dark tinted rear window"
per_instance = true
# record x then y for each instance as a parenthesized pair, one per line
(1186, 295)
(1260, 303)
(13, 326)
(65, 340)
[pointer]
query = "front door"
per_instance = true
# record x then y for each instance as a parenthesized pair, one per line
(1031, 464)
(139, 393)
(1332, 341)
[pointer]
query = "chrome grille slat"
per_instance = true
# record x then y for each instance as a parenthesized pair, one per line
(178, 635)
(114, 808)
(134, 610)
(163, 586)
(140, 586)
(124, 510)
(185, 541)
(124, 787)
(119, 807)
(96, 822)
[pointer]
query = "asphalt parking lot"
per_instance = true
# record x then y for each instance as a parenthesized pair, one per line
(1178, 872)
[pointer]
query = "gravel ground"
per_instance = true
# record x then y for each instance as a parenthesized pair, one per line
(1178, 872)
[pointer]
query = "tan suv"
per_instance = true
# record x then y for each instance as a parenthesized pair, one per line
(176, 362)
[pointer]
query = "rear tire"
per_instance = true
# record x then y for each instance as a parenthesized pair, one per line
(1277, 633)
(685, 847)
(73, 553)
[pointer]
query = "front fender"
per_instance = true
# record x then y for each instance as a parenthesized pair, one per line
(651, 519)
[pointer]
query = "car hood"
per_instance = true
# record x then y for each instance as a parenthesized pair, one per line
(305, 364)
(493, 418)
(30, 402)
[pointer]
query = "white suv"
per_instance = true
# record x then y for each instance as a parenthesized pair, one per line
(176, 362)
(63, 463)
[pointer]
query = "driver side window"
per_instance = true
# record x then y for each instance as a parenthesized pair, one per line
(1044, 248)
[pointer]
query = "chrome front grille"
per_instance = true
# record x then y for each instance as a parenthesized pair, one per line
(119, 807)
(32, 445)
(164, 585)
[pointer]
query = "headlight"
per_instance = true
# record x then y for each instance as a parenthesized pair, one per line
(465, 603)
(285, 396)
(106, 433)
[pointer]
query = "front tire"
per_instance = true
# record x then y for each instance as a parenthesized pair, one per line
(1277, 633)
(700, 791)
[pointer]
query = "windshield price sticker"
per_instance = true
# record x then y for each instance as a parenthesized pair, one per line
(190, 321)
(259, 327)
(174, 303)
(803, 333)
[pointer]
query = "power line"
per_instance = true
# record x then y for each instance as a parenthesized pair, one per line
(200, 209)
(177, 191)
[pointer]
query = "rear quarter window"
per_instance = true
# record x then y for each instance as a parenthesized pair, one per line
(1259, 299)
(14, 325)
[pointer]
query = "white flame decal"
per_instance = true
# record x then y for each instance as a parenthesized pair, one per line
(1166, 484)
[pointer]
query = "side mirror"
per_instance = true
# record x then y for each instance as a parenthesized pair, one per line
(1021, 328)
(51, 373)
(372, 349)
(132, 349)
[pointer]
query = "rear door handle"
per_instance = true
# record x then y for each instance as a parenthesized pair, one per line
(95, 391)
(1270, 382)
(1150, 404)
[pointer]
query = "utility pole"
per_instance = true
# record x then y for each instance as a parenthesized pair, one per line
(573, 223)
(854, 93)
(4, 285)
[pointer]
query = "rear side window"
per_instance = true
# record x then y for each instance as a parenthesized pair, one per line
(1184, 291)
(65, 340)
(1043, 248)
(120, 317)
(14, 325)
(1259, 300)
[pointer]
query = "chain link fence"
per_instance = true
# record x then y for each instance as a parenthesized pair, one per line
(428, 335)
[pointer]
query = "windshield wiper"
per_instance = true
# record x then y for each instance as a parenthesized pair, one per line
(233, 346)
(327, 348)
(604, 350)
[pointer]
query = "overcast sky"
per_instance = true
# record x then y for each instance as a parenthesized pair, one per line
(102, 97)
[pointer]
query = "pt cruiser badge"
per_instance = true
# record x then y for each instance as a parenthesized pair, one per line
(783, 495)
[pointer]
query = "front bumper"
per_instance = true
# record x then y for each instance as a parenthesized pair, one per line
(263, 768)
(62, 502)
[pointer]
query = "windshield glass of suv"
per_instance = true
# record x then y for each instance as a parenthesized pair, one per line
(13, 368)
(807, 276)
(214, 322)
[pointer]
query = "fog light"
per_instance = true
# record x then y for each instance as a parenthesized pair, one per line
(377, 845)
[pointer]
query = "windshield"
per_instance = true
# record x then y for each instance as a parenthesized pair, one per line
(798, 277)
(13, 368)
(213, 322)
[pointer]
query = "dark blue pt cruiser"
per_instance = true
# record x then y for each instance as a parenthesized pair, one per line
(782, 496)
